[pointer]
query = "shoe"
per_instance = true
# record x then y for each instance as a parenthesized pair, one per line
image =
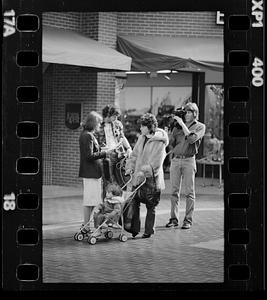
(172, 223)
(85, 229)
(186, 226)
(134, 234)
(146, 236)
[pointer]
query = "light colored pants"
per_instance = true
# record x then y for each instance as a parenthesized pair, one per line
(183, 169)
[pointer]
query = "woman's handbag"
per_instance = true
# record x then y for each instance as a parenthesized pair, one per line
(149, 193)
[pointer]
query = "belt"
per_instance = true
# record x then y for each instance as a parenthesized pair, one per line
(183, 156)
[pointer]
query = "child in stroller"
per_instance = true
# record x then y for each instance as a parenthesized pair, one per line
(107, 215)
(110, 209)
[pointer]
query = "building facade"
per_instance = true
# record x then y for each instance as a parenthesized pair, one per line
(65, 84)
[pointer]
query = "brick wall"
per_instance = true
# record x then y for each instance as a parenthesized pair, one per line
(64, 84)
(155, 23)
(105, 90)
(64, 20)
(107, 32)
(70, 84)
(107, 35)
(89, 24)
(199, 24)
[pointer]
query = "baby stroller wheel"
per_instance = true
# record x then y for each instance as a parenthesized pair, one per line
(109, 234)
(92, 240)
(79, 236)
(123, 237)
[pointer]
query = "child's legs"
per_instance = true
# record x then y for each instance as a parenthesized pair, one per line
(99, 218)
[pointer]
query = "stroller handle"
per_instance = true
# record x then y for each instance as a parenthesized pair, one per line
(131, 178)
(138, 187)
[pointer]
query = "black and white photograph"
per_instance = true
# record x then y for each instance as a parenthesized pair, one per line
(133, 147)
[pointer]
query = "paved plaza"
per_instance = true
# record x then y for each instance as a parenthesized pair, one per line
(170, 256)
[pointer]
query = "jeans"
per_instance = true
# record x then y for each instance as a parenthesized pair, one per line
(183, 169)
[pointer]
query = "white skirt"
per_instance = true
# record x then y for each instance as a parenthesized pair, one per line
(92, 192)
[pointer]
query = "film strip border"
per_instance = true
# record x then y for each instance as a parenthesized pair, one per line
(243, 142)
(243, 135)
(22, 148)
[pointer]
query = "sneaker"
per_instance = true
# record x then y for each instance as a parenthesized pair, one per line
(86, 230)
(172, 223)
(186, 226)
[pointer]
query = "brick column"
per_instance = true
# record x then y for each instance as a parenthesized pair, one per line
(102, 26)
(107, 34)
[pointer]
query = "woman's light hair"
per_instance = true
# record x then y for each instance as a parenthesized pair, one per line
(91, 121)
(192, 107)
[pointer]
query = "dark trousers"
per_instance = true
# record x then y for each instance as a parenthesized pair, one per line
(150, 215)
(114, 170)
(117, 171)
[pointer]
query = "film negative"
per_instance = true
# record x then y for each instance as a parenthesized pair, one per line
(61, 60)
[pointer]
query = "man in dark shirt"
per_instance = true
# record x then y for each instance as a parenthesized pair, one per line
(185, 142)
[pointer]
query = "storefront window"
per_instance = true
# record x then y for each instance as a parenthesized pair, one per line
(159, 100)
(133, 102)
(170, 96)
(213, 141)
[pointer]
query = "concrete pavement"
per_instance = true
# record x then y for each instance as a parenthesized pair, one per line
(171, 255)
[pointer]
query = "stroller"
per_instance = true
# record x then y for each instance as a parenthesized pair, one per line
(110, 225)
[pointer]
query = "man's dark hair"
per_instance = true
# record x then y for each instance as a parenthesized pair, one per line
(114, 111)
(105, 111)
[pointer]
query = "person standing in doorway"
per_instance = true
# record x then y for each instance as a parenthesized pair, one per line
(185, 140)
(90, 166)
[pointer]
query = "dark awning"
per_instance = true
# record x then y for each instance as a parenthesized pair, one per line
(155, 53)
(63, 46)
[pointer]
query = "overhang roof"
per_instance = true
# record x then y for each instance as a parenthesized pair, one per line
(154, 53)
(63, 46)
